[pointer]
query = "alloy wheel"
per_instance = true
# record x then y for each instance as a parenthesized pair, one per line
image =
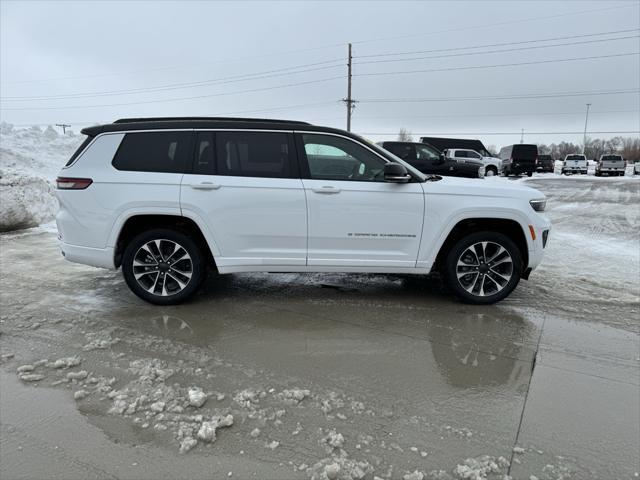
(484, 268)
(162, 267)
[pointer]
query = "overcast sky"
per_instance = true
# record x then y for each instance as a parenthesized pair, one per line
(105, 60)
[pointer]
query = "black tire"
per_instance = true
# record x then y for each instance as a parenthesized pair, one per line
(529, 174)
(493, 170)
(170, 286)
(461, 286)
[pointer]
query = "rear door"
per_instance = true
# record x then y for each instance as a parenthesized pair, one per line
(356, 219)
(245, 185)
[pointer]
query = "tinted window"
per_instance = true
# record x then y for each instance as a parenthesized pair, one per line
(401, 150)
(153, 152)
(254, 154)
(525, 152)
(473, 155)
(337, 158)
(204, 163)
(79, 150)
(461, 154)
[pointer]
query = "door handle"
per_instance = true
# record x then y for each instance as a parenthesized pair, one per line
(205, 186)
(327, 189)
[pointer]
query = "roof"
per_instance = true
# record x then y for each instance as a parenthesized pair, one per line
(445, 143)
(159, 123)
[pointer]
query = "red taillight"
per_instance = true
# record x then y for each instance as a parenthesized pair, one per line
(66, 183)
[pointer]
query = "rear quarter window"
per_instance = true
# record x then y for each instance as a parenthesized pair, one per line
(165, 152)
(79, 150)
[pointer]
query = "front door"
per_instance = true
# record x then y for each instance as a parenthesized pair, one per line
(356, 219)
(245, 185)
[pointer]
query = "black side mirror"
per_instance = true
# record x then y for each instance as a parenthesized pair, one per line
(396, 173)
(442, 159)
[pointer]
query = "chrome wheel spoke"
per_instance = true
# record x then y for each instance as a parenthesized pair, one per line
(484, 268)
(162, 267)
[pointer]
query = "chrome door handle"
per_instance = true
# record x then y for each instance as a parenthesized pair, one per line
(205, 186)
(326, 189)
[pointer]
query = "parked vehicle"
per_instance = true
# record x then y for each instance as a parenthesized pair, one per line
(636, 167)
(518, 159)
(493, 165)
(167, 199)
(575, 163)
(611, 165)
(546, 164)
(429, 161)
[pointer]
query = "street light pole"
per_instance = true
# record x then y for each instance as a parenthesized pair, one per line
(584, 139)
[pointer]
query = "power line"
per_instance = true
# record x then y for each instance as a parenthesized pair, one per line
(483, 115)
(499, 97)
(488, 45)
(450, 55)
(237, 92)
(174, 86)
(492, 25)
(479, 67)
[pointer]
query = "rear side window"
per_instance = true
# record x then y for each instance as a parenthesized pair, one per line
(461, 154)
(79, 150)
(153, 152)
(254, 154)
(403, 151)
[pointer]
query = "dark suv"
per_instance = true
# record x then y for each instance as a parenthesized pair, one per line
(518, 159)
(428, 160)
(546, 164)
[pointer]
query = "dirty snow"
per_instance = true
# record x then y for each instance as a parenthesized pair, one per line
(30, 159)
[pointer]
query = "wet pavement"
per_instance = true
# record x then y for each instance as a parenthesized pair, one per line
(368, 374)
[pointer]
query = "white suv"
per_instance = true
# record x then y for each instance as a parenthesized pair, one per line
(166, 199)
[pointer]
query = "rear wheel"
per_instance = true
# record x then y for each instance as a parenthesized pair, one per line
(491, 171)
(529, 174)
(163, 266)
(483, 267)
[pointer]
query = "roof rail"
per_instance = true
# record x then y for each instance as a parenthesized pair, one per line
(213, 119)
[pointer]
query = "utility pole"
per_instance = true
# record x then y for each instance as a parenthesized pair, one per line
(64, 127)
(584, 139)
(522, 136)
(349, 101)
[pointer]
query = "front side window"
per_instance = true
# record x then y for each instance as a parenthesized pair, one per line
(403, 151)
(473, 155)
(461, 154)
(153, 152)
(336, 158)
(254, 154)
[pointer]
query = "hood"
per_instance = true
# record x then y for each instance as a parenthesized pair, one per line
(487, 187)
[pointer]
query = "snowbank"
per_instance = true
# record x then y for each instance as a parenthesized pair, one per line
(29, 162)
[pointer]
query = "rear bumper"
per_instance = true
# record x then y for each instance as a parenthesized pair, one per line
(519, 168)
(95, 257)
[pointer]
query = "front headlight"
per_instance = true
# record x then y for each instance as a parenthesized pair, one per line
(538, 204)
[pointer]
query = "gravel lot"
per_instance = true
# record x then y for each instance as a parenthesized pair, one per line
(332, 376)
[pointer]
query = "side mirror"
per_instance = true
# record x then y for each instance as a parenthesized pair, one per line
(396, 173)
(442, 159)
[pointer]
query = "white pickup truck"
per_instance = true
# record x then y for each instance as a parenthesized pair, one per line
(574, 163)
(611, 165)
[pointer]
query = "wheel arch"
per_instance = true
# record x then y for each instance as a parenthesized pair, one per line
(509, 227)
(138, 223)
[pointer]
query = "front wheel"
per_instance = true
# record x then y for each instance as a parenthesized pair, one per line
(483, 267)
(163, 266)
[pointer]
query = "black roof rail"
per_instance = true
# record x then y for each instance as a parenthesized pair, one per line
(213, 119)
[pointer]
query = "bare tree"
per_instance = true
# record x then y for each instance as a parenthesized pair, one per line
(405, 135)
(492, 149)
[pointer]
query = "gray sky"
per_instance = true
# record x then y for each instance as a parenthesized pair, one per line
(107, 60)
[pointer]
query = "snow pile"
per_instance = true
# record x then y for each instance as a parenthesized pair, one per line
(29, 162)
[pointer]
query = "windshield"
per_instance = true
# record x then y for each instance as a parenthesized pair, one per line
(385, 153)
(576, 157)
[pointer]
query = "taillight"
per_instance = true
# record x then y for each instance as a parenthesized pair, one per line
(535, 162)
(66, 183)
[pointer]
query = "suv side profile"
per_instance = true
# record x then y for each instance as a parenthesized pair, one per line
(168, 199)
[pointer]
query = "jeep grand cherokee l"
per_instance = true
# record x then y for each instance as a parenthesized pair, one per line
(166, 199)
